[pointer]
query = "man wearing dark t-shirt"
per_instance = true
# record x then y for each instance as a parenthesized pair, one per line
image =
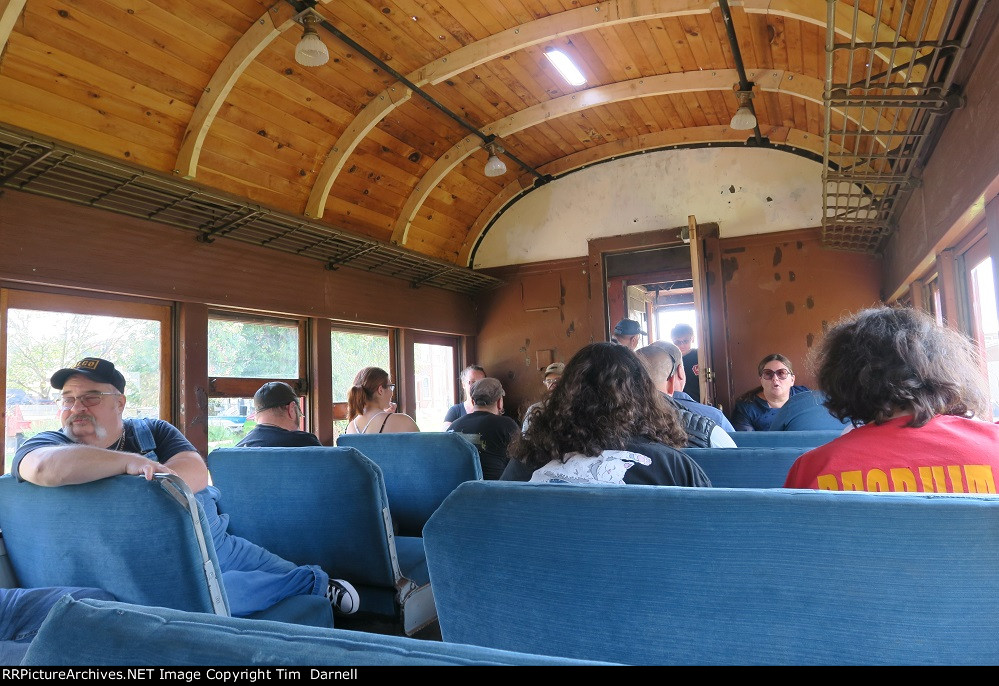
(278, 415)
(495, 430)
(683, 338)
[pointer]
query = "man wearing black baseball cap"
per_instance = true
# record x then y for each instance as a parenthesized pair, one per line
(278, 416)
(628, 333)
(96, 442)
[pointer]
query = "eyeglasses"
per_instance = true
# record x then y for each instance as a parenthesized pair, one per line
(682, 341)
(781, 374)
(550, 382)
(390, 386)
(87, 399)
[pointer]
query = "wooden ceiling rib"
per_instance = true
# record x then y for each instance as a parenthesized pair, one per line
(209, 91)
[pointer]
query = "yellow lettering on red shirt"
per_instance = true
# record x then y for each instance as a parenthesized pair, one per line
(979, 478)
(932, 479)
(902, 479)
(956, 481)
(853, 481)
(976, 478)
(827, 482)
(877, 481)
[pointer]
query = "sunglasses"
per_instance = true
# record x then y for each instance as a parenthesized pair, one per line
(781, 374)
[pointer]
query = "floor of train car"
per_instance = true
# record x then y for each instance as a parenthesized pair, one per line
(378, 625)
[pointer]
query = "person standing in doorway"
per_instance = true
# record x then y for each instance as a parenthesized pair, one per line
(683, 338)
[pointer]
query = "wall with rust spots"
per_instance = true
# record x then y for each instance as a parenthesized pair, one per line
(780, 292)
(510, 337)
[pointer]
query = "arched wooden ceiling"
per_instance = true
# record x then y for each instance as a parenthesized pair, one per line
(209, 90)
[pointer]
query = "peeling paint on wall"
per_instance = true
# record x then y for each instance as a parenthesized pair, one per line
(789, 307)
(810, 302)
(778, 255)
(809, 339)
(769, 190)
(776, 276)
(791, 276)
(730, 265)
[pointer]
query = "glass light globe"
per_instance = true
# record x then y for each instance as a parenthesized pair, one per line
(495, 166)
(743, 119)
(310, 51)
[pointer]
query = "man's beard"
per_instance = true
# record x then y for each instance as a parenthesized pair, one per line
(100, 432)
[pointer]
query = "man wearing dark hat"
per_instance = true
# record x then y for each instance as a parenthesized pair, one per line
(495, 430)
(629, 333)
(96, 442)
(277, 415)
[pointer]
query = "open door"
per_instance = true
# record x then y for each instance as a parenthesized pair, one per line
(706, 376)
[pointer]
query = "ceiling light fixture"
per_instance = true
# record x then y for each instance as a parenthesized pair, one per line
(744, 119)
(569, 71)
(494, 165)
(310, 51)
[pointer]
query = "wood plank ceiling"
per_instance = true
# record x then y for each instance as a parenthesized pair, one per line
(209, 90)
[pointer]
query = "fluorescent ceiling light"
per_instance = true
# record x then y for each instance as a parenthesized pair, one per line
(569, 71)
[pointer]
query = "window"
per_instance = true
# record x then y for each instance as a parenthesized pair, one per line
(352, 351)
(244, 352)
(434, 367)
(983, 314)
(46, 332)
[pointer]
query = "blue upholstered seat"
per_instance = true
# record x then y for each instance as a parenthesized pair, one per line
(668, 575)
(104, 633)
(783, 439)
(145, 542)
(327, 506)
(745, 467)
(420, 470)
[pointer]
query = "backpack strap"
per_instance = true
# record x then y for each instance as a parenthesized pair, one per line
(144, 436)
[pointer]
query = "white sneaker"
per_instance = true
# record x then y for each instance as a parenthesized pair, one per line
(343, 597)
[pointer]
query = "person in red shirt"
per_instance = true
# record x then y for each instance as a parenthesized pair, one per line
(916, 395)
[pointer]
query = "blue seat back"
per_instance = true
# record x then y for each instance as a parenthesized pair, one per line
(745, 467)
(783, 439)
(126, 535)
(669, 575)
(420, 470)
(319, 506)
(327, 506)
(95, 632)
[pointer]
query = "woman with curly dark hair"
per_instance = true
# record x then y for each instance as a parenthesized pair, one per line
(918, 389)
(604, 422)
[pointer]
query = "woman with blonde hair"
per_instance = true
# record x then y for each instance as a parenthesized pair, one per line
(370, 408)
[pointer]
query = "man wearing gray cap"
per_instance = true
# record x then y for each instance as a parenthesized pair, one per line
(661, 360)
(277, 414)
(495, 430)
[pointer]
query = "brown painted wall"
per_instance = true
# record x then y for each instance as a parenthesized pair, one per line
(50, 242)
(780, 292)
(777, 297)
(516, 330)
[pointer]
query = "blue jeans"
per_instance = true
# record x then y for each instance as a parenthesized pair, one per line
(22, 611)
(255, 578)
